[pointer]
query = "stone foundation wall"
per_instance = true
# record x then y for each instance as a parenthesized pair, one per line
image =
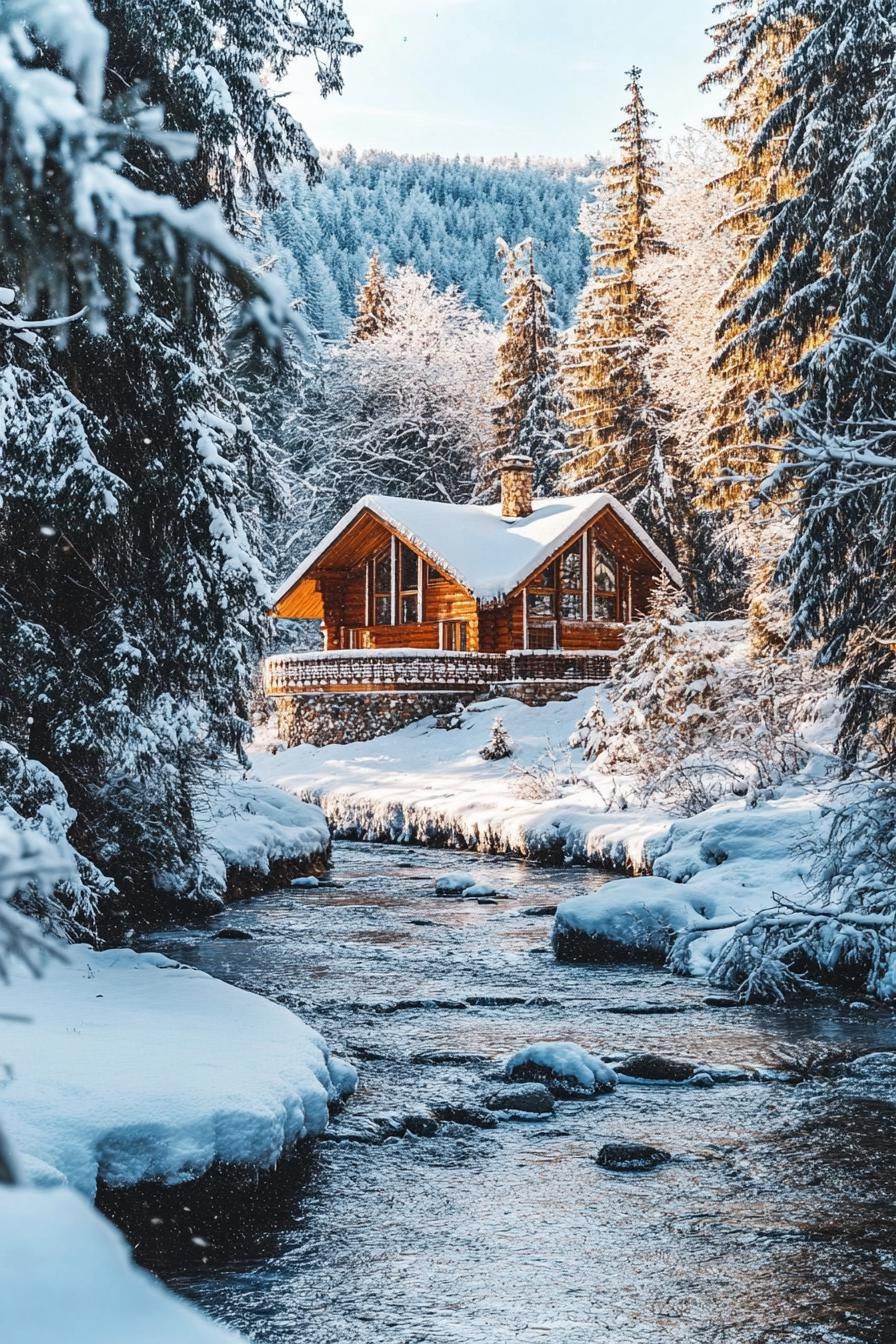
(327, 718)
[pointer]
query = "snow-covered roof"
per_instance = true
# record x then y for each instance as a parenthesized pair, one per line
(487, 554)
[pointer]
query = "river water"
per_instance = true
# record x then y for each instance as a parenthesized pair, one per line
(774, 1222)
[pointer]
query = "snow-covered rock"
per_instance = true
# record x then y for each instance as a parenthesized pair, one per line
(629, 920)
(455, 882)
(66, 1277)
(871, 1075)
(250, 826)
(565, 1068)
(714, 868)
(480, 889)
(128, 1067)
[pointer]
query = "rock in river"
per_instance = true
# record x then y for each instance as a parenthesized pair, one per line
(477, 1117)
(531, 1098)
(631, 1157)
(231, 931)
(454, 884)
(656, 1069)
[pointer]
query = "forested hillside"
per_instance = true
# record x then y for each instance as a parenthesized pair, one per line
(440, 215)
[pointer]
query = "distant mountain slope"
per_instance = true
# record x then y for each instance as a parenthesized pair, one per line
(442, 215)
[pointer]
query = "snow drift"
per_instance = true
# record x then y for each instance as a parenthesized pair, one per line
(128, 1067)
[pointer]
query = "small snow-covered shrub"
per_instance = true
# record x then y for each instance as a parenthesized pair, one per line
(499, 745)
(660, 692)
(686, 788)
(692, 715)
(550, 776)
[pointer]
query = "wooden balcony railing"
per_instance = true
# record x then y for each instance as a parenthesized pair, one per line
(424, 669)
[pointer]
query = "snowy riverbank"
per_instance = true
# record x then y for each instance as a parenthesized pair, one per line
(425, 785)
(66, 1277)
(431, 786)
(256, 835)
(127, 1067)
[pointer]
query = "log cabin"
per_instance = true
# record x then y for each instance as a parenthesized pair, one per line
(415, 596)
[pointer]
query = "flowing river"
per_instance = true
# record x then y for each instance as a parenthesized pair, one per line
(775, 1220)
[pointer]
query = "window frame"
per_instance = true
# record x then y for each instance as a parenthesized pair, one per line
(405, 593)
(458, 639)
(538, 588)
(598, 595)
(566, 589)
(381, 558)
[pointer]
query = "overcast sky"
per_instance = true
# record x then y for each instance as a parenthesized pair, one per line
(495, 77)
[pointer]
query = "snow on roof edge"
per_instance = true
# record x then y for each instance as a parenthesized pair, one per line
(377, 504)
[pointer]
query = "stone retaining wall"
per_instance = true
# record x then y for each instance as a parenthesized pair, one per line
(328, 718)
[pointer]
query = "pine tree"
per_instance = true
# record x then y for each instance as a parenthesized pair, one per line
(530, 405)
(138, 581)
(750, 56)
(617, 426)
(815, 293)
(643, 701)
(372, 314)
(499, 745)
(841, 564)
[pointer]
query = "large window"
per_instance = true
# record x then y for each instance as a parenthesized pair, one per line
(408, 589)
(382, 587)
(408, 593)
(571, 586)
(542, 595)
(604, 583)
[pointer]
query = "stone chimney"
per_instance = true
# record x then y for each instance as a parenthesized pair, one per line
(517, 473)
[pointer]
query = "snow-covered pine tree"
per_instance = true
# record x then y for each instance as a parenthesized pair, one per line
(372, 312)
(751, 364)
(840, 566)
(51, 487)
(155, 600)
(828, 248)
(685, 282)
(530, 407)
(813, 292)
(643, 695)
(499, 745)
(617, 426)
(749, 59)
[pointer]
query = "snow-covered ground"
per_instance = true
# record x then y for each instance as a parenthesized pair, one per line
(66, 1277)
(425, 784)
(122, 1067)
(126, 1067)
